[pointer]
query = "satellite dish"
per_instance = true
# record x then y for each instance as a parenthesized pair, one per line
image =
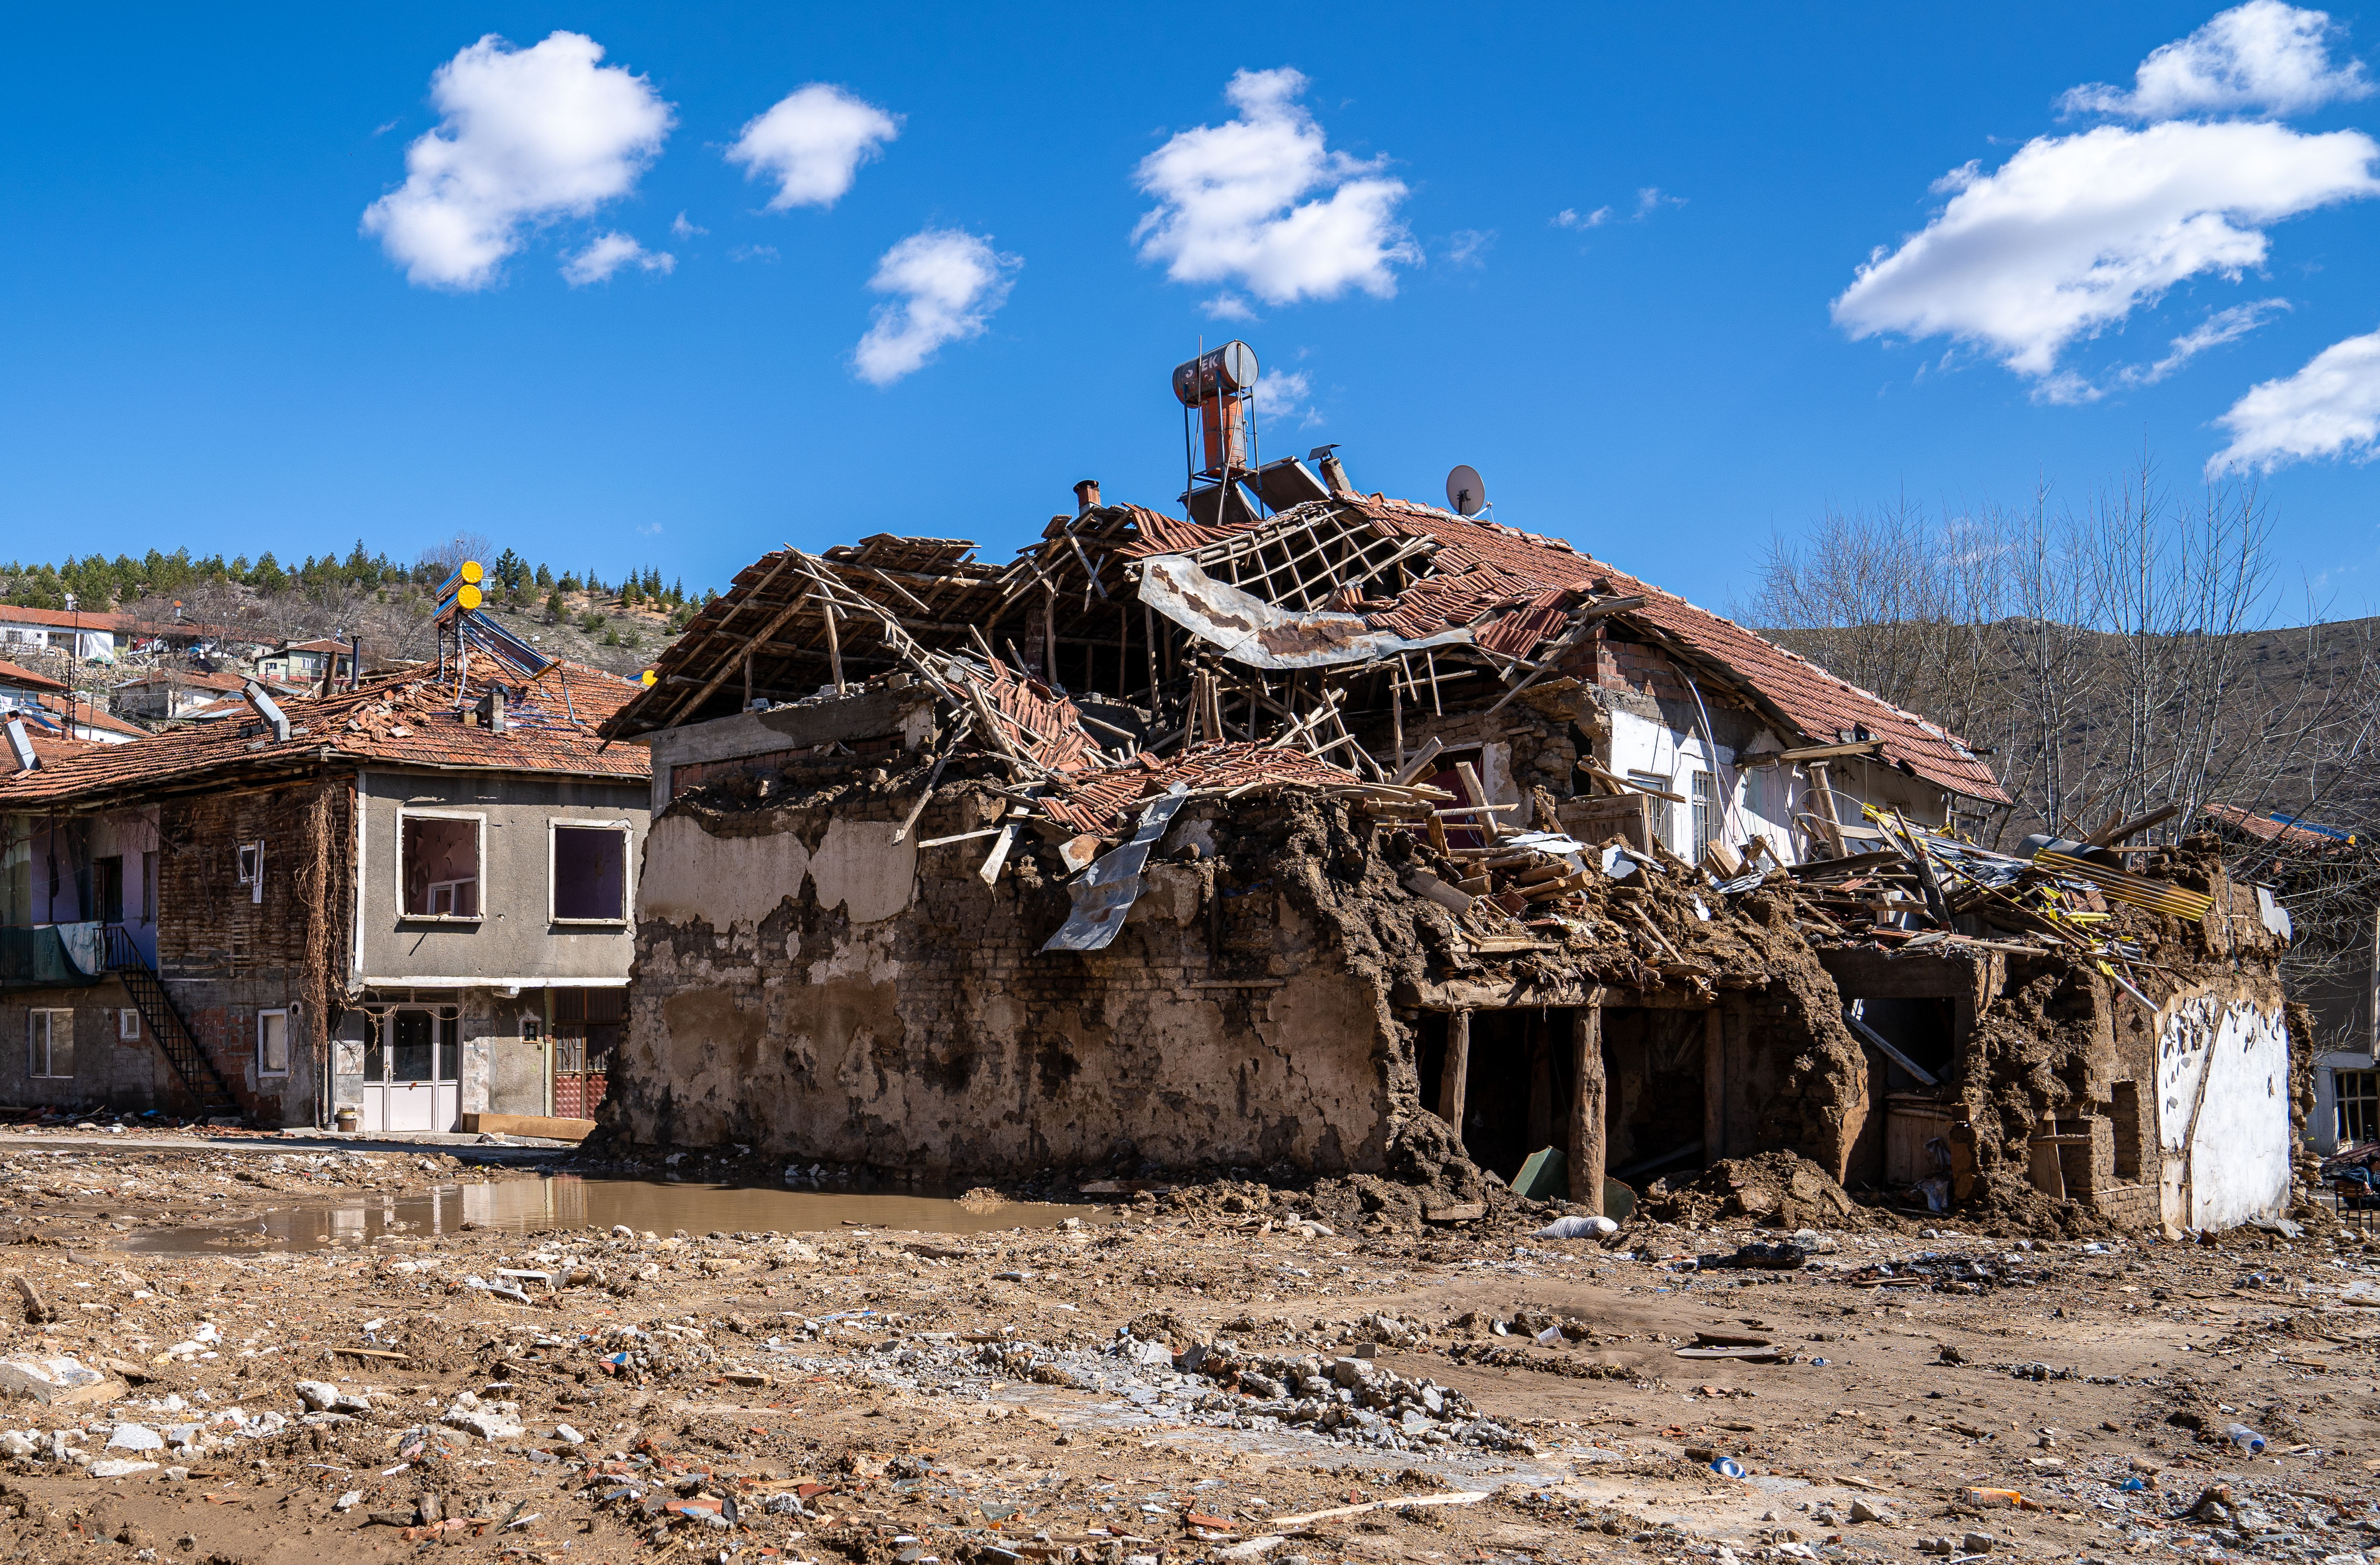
(1466, 491)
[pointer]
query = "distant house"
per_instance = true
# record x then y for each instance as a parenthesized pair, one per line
(305, 663)
(412, 899)
(2345, 1005)
(97, 636)
(51, 704)
(181, 695)
(21, 686)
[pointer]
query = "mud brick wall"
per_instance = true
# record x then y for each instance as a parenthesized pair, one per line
(225, 953)
(807, 987)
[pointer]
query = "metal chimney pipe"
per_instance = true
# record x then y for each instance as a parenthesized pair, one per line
(267, 709)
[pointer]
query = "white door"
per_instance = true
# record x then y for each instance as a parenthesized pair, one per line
(410, 1073)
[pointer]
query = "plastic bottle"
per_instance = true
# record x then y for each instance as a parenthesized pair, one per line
(1727, 1467)
(2247, 1439)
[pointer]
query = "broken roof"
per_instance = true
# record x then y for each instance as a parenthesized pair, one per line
(1411, 573)
(2288, 831)
(416, 719)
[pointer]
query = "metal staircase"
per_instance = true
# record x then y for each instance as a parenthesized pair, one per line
(181, 1046)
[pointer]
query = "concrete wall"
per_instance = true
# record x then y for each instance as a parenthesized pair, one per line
(806, 986)
(112, 1073)
(515, 938)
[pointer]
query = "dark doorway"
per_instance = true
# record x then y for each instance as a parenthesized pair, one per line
(1518, 1094)
(1653, 1070)
(108, 877)
(1926, 1030)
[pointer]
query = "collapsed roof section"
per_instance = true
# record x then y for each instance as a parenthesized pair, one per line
(477, 711)
(1335, 587)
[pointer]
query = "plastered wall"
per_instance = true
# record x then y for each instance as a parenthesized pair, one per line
(809, 986)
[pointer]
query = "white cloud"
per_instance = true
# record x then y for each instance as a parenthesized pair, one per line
(946, 284)
(1228, 306)
(1281, 393)
(2072, 233)
(812, 143)
(526, 136)
(1468, 247)
(607, 254)
(2264, 56)
(1649, 199)
(2331, 408)
(1231, 207)
(682, 229)
(2223, 326)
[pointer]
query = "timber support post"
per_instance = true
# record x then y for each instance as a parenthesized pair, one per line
(1457, 1071)
(1586, 1142)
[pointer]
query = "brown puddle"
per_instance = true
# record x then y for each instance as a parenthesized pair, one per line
(565, 1201)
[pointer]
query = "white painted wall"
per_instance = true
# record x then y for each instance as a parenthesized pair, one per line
(2223, 1112)
(1765, 797)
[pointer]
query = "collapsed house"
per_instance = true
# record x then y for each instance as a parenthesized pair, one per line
(408, 898)
(1326, 831)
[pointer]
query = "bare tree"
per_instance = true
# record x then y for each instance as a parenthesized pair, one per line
(2110, 657)
(447, 554)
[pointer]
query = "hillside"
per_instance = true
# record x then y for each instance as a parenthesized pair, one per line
(619, 627)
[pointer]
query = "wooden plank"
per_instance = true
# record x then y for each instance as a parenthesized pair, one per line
(552, 1126)
(1828, 752)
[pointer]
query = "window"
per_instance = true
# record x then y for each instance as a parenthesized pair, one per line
(1665, 825)
(440, 854)
(2356, 1099)
(49, 1043)
(273, 1043)
(251, 870)
(590, 873)
(128, 1026)
(107, 876)
(1704, 794)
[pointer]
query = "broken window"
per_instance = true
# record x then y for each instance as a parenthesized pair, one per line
(1665, 826)
(2356, 1102)
(107, 876)
(590, 873)
(251, 870)
(49, 1043)
(441, 867)
(273, 1043)
(1704, 794)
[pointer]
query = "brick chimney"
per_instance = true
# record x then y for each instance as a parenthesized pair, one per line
(1335, 475)
(1086, 497)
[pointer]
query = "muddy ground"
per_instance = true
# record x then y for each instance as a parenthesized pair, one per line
(1179, 1377)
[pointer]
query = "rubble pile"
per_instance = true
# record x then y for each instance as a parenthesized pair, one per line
(1178, 1380)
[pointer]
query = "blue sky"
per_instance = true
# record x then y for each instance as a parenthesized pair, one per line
(203, 345)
